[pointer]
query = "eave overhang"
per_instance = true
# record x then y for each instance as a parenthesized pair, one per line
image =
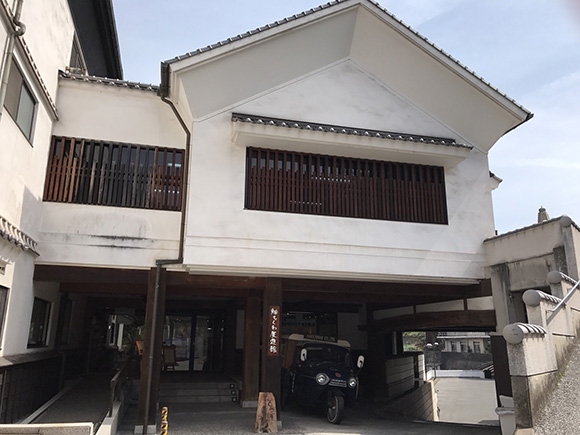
(13, 241)
(303, 136)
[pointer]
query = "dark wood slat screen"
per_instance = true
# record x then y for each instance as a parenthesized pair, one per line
(338, 186)
(84, 171)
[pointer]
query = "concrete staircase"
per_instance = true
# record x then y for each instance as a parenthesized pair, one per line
(223, 391)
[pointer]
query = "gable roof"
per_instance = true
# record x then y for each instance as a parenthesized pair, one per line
(276, 26)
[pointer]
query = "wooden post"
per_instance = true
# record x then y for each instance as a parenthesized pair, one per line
(271, 360)
(251, 352)
(230, 327)
(376, 356)
(151, 362)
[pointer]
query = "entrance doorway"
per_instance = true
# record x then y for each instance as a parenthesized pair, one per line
(197, 339)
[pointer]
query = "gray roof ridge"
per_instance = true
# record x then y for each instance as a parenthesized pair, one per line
(352, 131)
(107, 81)
(333, 3)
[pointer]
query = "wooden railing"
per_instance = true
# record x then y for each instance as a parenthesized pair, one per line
(338, 186)
(85, 171)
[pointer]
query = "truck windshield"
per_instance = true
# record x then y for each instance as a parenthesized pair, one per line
(328, 352)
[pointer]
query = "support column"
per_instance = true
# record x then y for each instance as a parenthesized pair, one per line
(251, 353)
(230, 331)
(271, 365)
(377, 357)
(151, 362)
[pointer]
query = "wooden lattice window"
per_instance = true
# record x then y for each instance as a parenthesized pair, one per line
(84, 171)
(339, 186)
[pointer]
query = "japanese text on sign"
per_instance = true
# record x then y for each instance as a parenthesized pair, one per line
(274, 331)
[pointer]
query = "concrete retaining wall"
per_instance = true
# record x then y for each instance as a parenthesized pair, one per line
(419, 403)
(47, 429)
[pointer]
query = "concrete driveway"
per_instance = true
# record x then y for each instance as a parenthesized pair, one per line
(227, 419)
(465, 400)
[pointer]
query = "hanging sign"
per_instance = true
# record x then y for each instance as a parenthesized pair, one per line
(274, 330)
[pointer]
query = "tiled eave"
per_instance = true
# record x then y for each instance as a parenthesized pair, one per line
(109, 82)
(335, 129)
(302, 136)
(13, 235)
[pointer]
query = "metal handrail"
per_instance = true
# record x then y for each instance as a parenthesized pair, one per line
(116, 383)
(565, 299)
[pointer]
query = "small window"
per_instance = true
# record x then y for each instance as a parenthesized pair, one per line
(77, 62)
(476, 347)
(3, 305)
(20, 102)
(463, 346)
(37, 337)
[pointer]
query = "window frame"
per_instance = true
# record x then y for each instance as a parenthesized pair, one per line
(39, 333)
(13, 104)
(4, 295)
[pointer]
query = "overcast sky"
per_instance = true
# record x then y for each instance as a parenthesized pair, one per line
(529, 49)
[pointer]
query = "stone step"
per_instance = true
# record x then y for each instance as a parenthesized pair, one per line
(200, 385)
(197, 399)
(198, 392)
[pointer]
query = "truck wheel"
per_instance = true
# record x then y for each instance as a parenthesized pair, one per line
(335, 410)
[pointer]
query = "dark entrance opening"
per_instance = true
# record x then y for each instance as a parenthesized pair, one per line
(198, 340)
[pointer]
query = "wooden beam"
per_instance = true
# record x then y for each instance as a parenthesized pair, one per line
(464, 320)
(251, 350)
(214, 281)
(66, 274)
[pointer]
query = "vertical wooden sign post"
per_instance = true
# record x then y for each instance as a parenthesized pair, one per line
(266, 418)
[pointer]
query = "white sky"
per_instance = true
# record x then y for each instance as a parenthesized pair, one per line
(529, 49)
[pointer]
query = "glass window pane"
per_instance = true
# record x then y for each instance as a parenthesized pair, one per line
(13, 91)
(25, 114)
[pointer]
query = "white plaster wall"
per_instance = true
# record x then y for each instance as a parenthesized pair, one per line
(22, 292)
(116, 113)
(534, 242)
(49, 36)
(107, 236)
(23, 162)
(111, 236)
(227, 238)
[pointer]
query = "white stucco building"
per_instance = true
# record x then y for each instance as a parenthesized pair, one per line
(347, 180)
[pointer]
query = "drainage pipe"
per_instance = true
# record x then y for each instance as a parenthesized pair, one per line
(19, 30)
(166, 262)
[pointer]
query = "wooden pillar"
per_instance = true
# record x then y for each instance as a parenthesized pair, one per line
(230, 331)
(271, 364)
(251, 352)
(376, 356)
(151, 362)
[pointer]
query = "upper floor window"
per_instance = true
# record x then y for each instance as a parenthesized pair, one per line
(77, 62)
(20, 102)
(340, 186)
(3, 305)
(86, 171)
